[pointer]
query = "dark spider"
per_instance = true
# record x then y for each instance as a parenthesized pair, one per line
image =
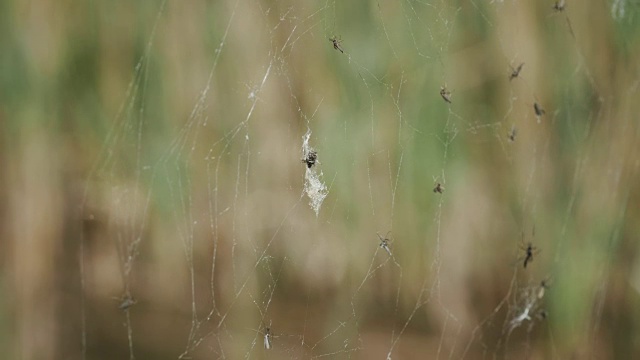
(438, 188)
(515, 72)
(310, 159)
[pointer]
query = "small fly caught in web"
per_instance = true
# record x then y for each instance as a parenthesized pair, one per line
(544, 285)
(126, 302)
(512, 134)
(337, 43)
(438, 188)
(538, 110)
(267, 338)
(559, 6)
(515, 72)
(445, 93)
(384, 243)
(542, 314)
(530, 251)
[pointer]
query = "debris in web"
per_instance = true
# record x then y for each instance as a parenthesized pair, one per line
(618, 9)
(532, 307)
(315, 189)
(559, 5)
(445, 93)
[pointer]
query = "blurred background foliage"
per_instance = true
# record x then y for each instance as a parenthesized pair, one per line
(151, 151)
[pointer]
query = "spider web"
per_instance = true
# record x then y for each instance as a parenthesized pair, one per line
(404, 239)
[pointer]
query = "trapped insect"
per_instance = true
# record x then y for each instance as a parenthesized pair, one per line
(529, 250)
(127, 302)
(310, 159)
(337, 42)
(438, 188)
(512, 134)
(544, 285)
(266, 335)
(515, 72)
(384, 243)
(538, 109)
(542, 314)
(446, 94)
(559, 5)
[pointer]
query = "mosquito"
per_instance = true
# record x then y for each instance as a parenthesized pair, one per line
(446, 94)
(530, 251)
(538, 109)
(310, 159)
(515, 72)
(384, 243)
(337, 42)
